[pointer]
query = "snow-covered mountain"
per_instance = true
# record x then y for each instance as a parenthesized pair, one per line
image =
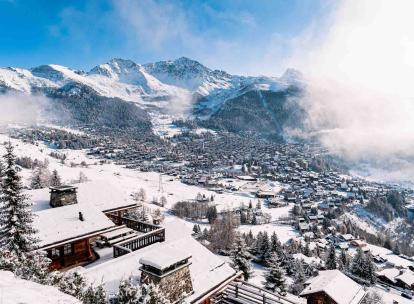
(181, 86)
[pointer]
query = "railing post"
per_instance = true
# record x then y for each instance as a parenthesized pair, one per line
(264, 298)
(237, 290)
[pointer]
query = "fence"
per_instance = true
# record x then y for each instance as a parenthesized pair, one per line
(240, 292)
(151, 234)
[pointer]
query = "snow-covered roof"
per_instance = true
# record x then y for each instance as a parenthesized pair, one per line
(59, 224)
(337, 286)
(104, 195)
(389, 273)
(14, 290)
(407, 277)
(207, 269)
(165, 258)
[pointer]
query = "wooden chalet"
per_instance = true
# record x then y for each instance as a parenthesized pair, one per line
(332, 287)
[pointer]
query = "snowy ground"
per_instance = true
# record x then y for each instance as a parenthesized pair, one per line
(17, 291)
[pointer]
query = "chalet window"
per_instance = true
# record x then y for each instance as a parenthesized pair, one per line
(67, 249)
(55, 252)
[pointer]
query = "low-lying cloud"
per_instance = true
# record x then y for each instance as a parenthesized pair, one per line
(19, 108)
(360, 95)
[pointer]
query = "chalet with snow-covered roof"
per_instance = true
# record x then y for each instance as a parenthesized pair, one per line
(332, 287)
(72, 219)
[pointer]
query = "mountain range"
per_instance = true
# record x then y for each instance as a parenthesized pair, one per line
(122, 93)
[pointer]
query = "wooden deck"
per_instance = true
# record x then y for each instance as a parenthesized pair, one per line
(148, 235)
(240, 292)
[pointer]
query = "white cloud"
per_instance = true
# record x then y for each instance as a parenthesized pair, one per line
(19, 108)
(361, 69)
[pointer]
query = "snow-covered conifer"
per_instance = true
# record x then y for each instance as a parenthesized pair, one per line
(55, 180)
(16, 234)
(330, 262)
(299, 278)
(275, 280)
(240, 257)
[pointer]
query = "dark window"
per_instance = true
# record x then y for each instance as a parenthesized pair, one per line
(55, 252)
(67, 249)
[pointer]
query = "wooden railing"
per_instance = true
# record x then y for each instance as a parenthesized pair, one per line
(151, 234)
(139, 242)
(240, 292)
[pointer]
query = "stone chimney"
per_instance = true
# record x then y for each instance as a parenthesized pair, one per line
(170, 271)
(63, 196)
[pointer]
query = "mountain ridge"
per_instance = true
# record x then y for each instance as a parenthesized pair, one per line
(180, 87)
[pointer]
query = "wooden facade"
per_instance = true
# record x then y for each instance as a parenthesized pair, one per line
(319, 298)
(71, 253)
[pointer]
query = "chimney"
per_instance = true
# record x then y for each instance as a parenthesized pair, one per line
(170, 271)
(81, 216)
(62, 196)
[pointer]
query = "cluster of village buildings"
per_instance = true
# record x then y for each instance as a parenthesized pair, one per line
(88, 228)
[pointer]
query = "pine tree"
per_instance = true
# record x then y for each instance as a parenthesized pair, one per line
(36, 180)
(275, 244)
(17, 234)
(330, 262)
(299, 278)
(358, 264)
(369, 269)
(307, 250)
(258, 243)
(250, 239)
(265, 248)
(211, 214)
(254, 219)
(274, 276)
(343, 261)
(128, 293)
(72, 283)
(94, 295)
(55, 180)
(196, 229)
(240, 257)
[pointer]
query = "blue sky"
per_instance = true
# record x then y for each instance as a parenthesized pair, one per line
(245, 37)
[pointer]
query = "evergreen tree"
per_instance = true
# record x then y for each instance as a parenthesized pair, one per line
(298, 279)
(250, 239)
(275, 245)
(211, 214)
(369, 269)
(258, 243)
(343, 261)
(72, 283)
(358, 264)
(128, 293)
(36, 180)
(265, 248)
(307, 250)
(330, 262)
(195, 229)
(17, 233)
(55, 180)
(94, 295)
(254, 219)
(240, 257)
(274, 276)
